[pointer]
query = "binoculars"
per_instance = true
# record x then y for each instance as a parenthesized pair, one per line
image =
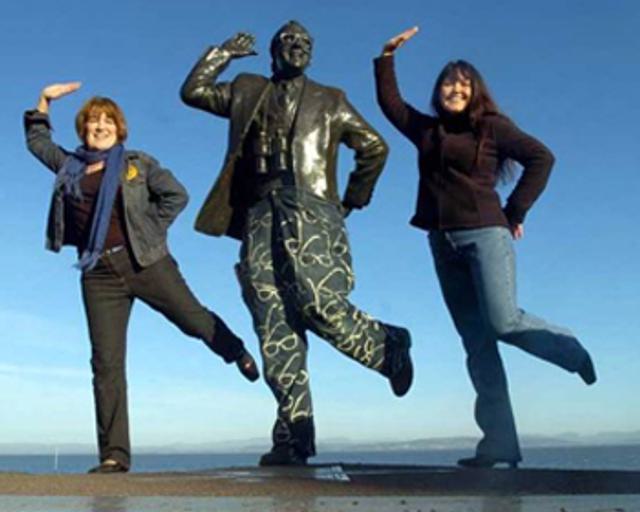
(271, 153)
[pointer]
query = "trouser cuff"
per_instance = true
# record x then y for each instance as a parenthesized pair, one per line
(224, 342)
(299, 435)
(119, 456)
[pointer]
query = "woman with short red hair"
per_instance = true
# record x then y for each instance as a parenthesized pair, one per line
(115, 207)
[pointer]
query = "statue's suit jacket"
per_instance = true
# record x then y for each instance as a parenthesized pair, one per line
(324, 119)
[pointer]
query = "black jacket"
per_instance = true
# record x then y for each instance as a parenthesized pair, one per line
(324, 120)
(152, 197)
(457, 178)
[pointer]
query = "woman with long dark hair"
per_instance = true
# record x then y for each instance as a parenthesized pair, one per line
(115, 206)
(463, 151)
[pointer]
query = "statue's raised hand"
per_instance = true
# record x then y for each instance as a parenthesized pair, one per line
(240, 45)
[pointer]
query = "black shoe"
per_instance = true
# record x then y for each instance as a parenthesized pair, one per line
(109, 466)
(248, 367)
(484, 461)
(587, 372)
(283, 456)
(398, 365)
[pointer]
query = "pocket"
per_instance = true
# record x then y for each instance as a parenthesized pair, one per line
(153, 217)
(329, 214)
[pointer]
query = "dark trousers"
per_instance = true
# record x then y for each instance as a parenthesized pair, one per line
(108, 292)
(295, 272)
(476, 270)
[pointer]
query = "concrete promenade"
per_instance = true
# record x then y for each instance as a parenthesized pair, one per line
(327, 488)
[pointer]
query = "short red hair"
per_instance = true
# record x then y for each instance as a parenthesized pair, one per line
(96, 106)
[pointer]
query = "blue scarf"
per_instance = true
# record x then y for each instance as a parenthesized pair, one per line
(70, 176)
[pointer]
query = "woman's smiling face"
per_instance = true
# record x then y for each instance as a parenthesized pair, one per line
(455, 92)
(101, 131)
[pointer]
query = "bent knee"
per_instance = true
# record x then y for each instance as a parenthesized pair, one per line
(502, 325)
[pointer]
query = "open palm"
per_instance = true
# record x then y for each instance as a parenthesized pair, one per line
(55, 91)
(397, 41)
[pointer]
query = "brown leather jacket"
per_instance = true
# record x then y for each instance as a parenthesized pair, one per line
(324, 120)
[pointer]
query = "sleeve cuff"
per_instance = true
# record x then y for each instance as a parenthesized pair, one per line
(35, 116)
(383, 60)
(513, 215)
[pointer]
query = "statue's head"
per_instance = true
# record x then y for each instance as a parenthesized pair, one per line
(290, 50)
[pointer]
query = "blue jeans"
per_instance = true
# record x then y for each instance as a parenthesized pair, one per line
(476, 270)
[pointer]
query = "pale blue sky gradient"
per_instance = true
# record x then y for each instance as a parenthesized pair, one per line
(567, 72)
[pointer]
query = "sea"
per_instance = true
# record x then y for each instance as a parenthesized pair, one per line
(626, 457)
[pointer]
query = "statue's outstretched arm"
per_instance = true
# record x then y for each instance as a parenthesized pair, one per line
(200, 89)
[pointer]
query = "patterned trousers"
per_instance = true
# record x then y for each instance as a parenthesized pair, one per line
(295, 272)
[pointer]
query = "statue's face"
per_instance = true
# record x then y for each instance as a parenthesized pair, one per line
(292, 49)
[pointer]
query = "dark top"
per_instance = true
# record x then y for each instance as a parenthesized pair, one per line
(80, 215)
(457, 182)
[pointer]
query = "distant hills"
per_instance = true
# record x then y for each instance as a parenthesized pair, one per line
(335, 445)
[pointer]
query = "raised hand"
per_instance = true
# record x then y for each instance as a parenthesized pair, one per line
(397, 41)
(55, 91)
(240, 45)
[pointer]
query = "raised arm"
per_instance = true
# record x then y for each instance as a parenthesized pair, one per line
(403, 116)
(370, 156)
(37, 126)
(200, 89)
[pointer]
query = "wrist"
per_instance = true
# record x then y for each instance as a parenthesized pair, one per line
(43, 104)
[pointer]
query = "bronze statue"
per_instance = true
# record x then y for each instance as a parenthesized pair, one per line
(277, 192)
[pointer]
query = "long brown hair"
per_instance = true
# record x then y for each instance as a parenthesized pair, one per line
(480, 105)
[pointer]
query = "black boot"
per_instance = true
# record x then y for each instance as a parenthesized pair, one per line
(283, 455)
(109, 467)
(248, 367)
(231, 348)
(587, 371)
(485, 462)
(293, 444)
(397, 360)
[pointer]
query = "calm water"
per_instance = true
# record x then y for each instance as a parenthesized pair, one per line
(596, 457)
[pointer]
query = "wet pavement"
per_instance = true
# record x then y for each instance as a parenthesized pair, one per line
(609, 503)
(327, 488)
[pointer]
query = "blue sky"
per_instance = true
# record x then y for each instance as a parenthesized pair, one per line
(564, 71)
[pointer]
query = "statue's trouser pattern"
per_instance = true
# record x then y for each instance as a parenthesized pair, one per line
(295, 272)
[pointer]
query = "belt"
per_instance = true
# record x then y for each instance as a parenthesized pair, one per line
(112, 250)
(265, 186)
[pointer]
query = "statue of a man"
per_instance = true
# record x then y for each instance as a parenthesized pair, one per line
(277, 192)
